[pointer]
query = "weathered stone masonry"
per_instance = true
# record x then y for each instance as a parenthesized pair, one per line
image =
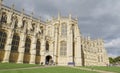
(25, 39)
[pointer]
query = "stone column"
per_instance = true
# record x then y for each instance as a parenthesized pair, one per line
(21, 48)
(78, 52)
(70, 44)
(55, 44)
(8, 46)
(33, 50)
(42, 52)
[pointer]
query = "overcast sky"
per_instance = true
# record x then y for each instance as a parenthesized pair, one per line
(97, 18)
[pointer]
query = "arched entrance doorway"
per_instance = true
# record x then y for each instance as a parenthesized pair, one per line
(48, 60)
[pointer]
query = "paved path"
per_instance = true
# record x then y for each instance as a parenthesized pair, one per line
(88, 69)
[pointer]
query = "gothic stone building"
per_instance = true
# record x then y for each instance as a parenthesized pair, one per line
(25, 39)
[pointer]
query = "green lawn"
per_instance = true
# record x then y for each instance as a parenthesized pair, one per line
(111, 69)
(7, 68)
(48, 70)
(11, 65)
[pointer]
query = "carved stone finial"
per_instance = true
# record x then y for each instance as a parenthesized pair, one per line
(23, 10)
(32, 15)
(13, 6)
(76, 18)
(59, 15)
(88, 37)
(70, 16)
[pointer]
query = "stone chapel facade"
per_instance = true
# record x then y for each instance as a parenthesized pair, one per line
(25, 39)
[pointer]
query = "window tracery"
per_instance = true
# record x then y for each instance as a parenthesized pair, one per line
(63, 48)
(15, 43)
(64, 29)
(3, 37)
(38, 48)
(27, 45)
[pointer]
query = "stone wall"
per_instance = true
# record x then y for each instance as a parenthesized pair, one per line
(33, 41)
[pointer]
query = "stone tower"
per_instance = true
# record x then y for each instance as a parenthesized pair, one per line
(66, 35)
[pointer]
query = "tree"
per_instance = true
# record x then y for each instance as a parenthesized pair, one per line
(114, 60)
(111, 60)
(117, 59)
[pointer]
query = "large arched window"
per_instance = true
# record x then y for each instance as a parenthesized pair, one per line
(15, 43)
(3, 37)
(27, 45)
(64, 29)
(3, 17)
(63, 48)
(47, 46)
(38, 48)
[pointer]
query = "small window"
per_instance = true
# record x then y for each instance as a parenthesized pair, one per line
(47, 46)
